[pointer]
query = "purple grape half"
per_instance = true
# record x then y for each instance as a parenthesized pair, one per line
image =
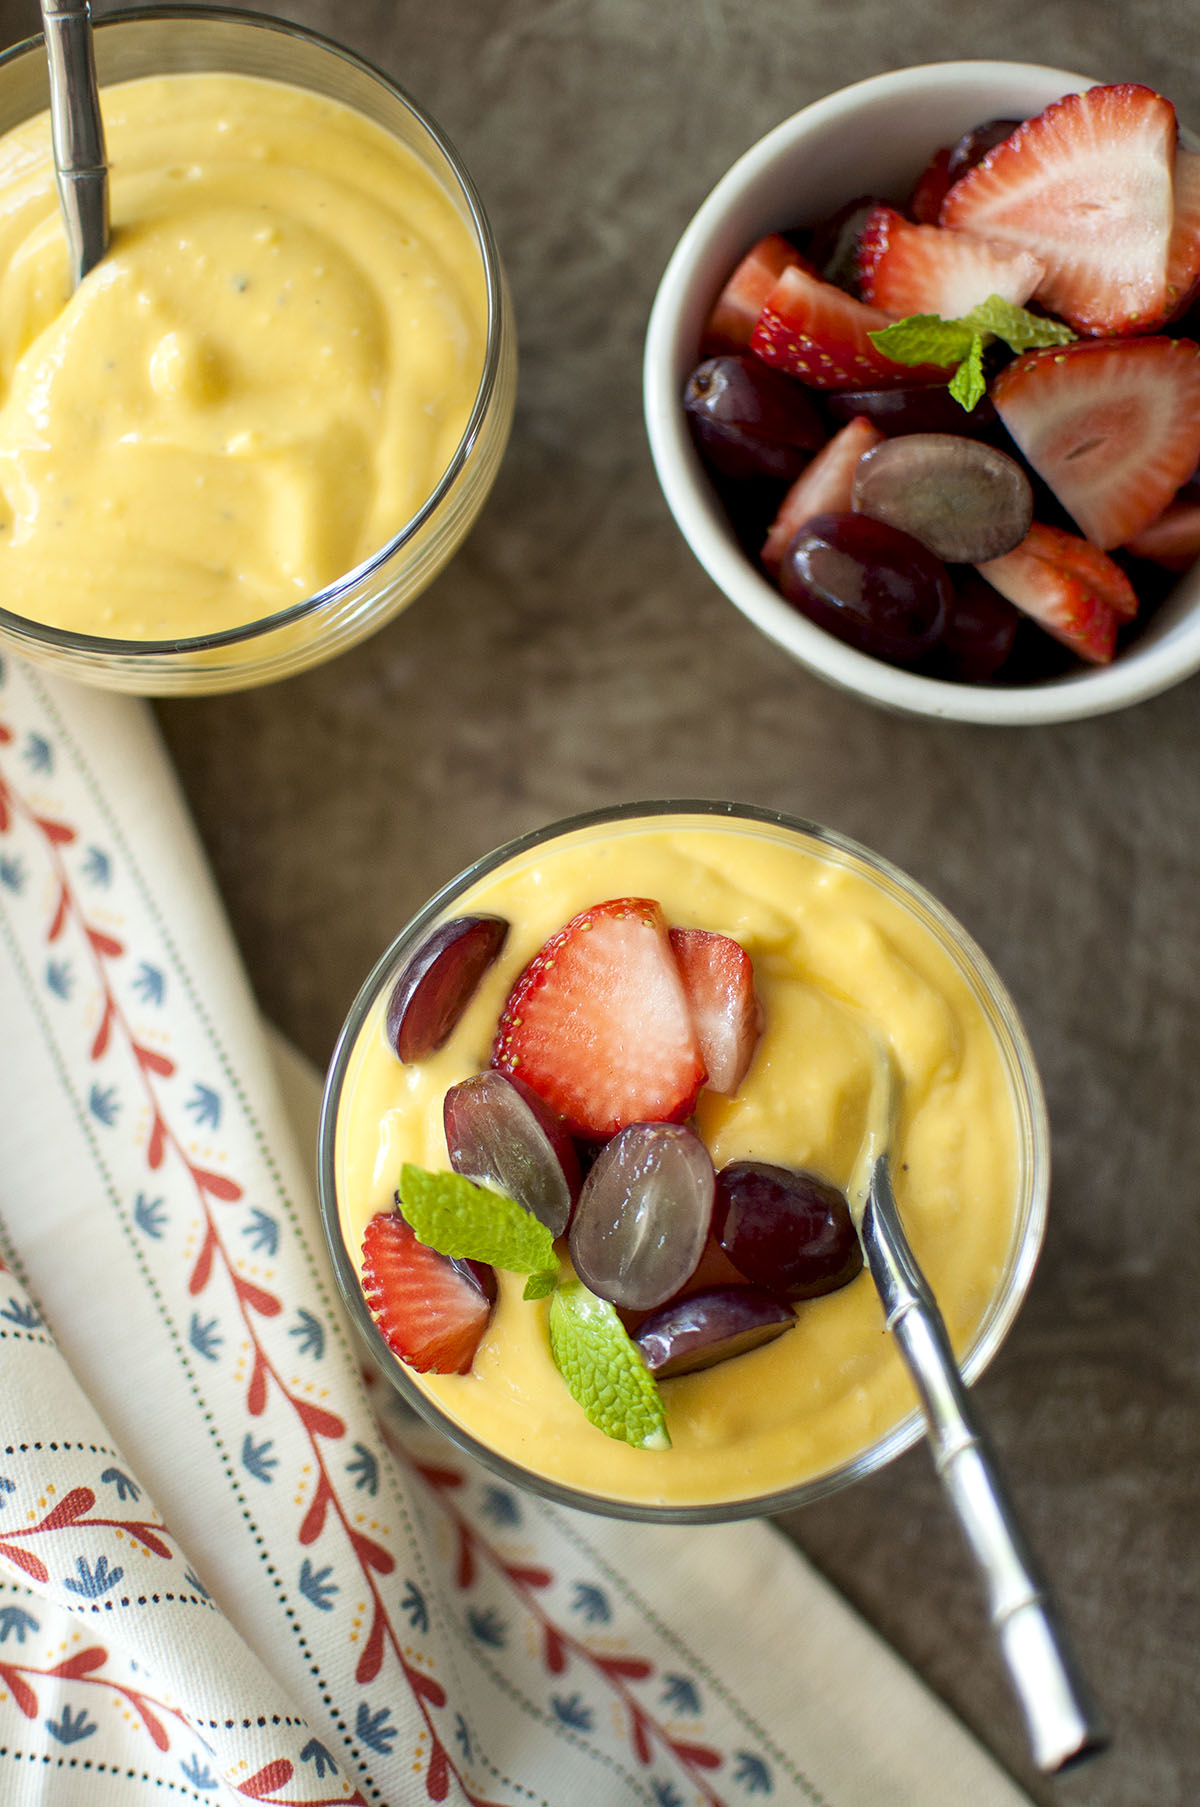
(868, 583)
(500, 1133)
(750, 421)
(968, 502)
(785, 1229)
(710, 1327)
(438, 982)
(979, 634)
(642, 1218)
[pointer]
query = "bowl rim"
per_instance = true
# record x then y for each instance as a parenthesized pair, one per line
(183, 647)
(974, 967)
(1140, 672)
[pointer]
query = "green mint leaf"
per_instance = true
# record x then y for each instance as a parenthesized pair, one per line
(928, 339)
(1020, 330)
(472, 1223)
(968, 385)
(539, 1286)
(602, 1368)
(923, 339)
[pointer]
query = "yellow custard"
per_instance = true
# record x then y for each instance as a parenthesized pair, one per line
(831, 946)
(260, 383)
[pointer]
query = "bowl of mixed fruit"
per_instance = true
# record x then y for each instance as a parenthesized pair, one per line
(922, 388)
(594, 1146)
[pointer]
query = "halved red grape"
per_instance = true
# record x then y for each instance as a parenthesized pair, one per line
(966, 501)
(979, 633)
(710, 1327)
(750, 421)
(868, 583)
(915, 408)
(438, 982)
(785, 1229)
(499, 1132)
(642, 1218)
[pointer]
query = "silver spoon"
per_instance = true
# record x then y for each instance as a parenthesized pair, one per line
(1060, 1717)
(80, 164)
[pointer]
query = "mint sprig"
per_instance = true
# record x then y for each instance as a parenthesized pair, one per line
(456, 1217)
(928, 339)
(604, 1372)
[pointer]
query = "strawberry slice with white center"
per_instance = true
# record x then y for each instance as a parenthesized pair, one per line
(1036, 580)
(1094, 568)
(432, 1311)
(1086, 187)
(1113, 426)
(825, 486)
(1173, 540)
(599, 1024)
(718, 978)
(736, 309)
(907, 269)
(818, 333)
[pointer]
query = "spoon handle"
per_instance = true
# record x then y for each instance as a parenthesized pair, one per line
(1061, 1721)
(77, 131)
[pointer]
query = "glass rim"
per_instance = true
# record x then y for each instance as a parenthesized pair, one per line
(71, 641)
(1032, 1124)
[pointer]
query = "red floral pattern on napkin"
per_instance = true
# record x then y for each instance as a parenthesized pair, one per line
(416, 1633)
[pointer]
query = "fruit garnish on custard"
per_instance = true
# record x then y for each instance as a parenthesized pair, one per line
(574, 1161)
(1003, 373)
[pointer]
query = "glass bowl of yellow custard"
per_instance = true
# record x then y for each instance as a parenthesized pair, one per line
(268, 417)
(846, 955)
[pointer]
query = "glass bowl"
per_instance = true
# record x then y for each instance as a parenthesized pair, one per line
(872, 138)
(696, 857)
(176, 39)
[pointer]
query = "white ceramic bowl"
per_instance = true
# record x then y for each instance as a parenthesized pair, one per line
(874, 137)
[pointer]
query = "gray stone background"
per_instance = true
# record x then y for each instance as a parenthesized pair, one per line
(574, 654)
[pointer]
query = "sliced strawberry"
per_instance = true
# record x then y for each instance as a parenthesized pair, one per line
(1036, 581)
(1173, 540)
(819, 333)
(432, 1311)
(1086, 188)
(1113, 426)
(826, 486)
(599, 1025)
(1183, 255)
(931, 188)
(718, 978)
(1094, 568)
(736, 309)
(907, 269)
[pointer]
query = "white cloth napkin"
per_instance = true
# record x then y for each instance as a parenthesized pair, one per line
(223, 1574)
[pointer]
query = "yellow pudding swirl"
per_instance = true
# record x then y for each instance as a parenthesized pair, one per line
(255, 389)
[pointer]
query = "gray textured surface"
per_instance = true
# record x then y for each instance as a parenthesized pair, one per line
(575, 655)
